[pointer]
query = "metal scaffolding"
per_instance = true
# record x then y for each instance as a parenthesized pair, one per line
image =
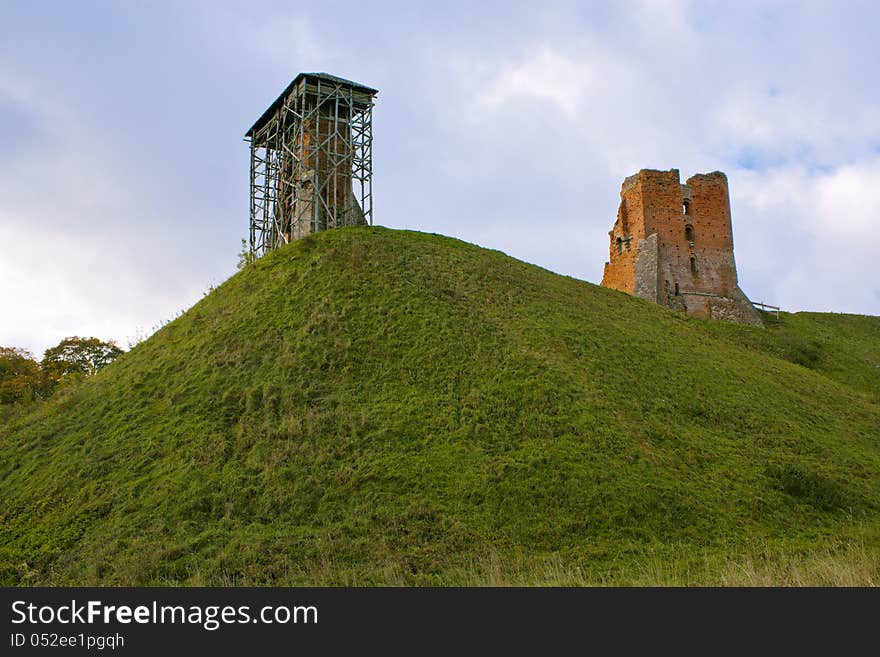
(311, 161)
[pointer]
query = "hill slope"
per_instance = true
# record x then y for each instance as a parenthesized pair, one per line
(376, 406)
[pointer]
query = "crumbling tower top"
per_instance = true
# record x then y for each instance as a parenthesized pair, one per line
(311, 160)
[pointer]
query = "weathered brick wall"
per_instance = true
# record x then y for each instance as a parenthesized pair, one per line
(712, 236)
(692, 256)
(629, 228)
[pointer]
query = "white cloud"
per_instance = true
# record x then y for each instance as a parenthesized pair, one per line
(808, 240)
(851, 197)
(783, 126)
(88, 248)
(271, 37)
(545, 75)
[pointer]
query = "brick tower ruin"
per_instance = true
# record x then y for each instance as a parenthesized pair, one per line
(673, 244)
(311, 161)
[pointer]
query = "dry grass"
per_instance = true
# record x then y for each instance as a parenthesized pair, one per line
(853, 565)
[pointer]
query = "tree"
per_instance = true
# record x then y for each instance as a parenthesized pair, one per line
(245, 256)
(78, 356)
(21, 378)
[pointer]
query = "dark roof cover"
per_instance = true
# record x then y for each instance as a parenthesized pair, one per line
(264, 118)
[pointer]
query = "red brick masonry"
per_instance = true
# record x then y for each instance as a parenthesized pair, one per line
(673, 244)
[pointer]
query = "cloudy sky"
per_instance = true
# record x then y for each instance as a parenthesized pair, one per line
(123, 174)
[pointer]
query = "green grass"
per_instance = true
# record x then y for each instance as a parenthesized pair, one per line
(369, 406)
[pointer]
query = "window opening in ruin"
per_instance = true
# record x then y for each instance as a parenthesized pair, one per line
(689, 233)
(686, 207)
(693, 265)
(676, 289)
(619, 245)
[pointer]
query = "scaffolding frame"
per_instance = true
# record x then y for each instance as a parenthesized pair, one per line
(311, 161)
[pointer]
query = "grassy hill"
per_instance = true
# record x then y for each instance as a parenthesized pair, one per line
(371, 406)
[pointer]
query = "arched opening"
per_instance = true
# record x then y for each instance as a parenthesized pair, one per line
(619, 245)
(686, 207)
(689, 233)
(693, 265)
(676, 289)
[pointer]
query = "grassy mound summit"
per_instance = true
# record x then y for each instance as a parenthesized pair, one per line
(370, 406)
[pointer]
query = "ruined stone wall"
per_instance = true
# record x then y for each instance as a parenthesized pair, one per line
(628, 230)
(647, 274)
(739, 310)
(691, 253)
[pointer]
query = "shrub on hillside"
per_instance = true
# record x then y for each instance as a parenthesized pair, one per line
(21, 378)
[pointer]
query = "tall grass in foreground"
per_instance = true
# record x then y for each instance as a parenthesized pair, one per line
(851, 565)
